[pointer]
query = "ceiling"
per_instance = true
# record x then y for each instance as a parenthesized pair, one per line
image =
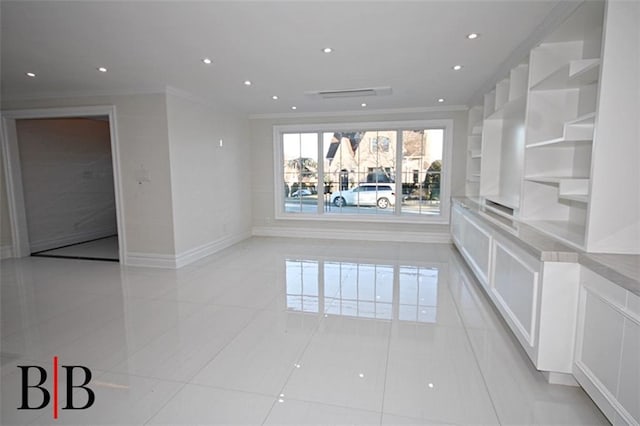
(147, 46)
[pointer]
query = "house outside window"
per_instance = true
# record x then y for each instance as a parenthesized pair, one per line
(397, 171)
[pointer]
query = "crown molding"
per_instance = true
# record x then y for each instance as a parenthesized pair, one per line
(359, 113)
(83, 94)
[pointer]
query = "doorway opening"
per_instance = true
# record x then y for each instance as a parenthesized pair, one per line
(67, 182)
(63, 182)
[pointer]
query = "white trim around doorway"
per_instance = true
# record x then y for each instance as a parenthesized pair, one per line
(13, 173)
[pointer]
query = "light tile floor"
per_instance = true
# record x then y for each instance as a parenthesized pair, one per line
(274, 331)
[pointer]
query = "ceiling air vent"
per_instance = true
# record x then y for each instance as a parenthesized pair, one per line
(349, 93)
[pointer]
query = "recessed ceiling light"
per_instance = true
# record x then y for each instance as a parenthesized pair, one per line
(247, 83)
(294, 107)
(327, 50)
(274, 97)
(102, 69)
(441, 100)
(207, 61)
(30, 74)
(457, 67)
(363, 105)
(473, 36)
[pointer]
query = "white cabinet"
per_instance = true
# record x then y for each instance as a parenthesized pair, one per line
(607, 356)
(538, 300)
(629, 386)
(515, 288)
(474, 241)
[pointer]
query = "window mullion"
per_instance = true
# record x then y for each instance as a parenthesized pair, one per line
(320, 186)
(399, 171)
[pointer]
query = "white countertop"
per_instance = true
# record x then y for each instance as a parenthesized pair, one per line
(621, 269)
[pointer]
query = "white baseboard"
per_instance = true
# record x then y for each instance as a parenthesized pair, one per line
(168, 261)
(197, 253)
(6, 252)
(150, 260)
(340, 234)
(79, 237)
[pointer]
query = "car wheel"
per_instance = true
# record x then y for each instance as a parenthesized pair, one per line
(383, 203)
(339, 202)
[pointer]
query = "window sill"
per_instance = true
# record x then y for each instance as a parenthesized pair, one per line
(362, 218)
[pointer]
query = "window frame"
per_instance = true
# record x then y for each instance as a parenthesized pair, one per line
(398, 126)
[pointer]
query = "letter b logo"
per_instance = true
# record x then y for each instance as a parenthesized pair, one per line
(71, 386)
(46, 397)
(34, 377)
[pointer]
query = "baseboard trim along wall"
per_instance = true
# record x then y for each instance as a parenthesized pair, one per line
(340, 234)
(6, 252)
(167, 261)
(197, 253)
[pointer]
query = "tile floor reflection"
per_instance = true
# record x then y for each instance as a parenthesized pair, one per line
(275, 331)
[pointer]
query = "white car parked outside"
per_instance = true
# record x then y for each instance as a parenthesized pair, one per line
(366, 194)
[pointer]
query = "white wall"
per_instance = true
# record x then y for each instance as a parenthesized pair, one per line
(161, 135)
(262, 165)
(209, 183)
(67, 180)
(144, 162)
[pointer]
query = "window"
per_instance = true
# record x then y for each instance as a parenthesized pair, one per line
(379, 144)
(300, 165)
(366, 171)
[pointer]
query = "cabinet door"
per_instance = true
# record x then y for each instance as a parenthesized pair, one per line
(602, 341)
(629, 388)
(515, 289)
(477, 245)
(457, 223)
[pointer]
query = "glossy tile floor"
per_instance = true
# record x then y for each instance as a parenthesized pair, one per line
(273, 331)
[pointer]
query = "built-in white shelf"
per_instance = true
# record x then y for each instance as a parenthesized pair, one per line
(474, 148)
(566, 184)
(554, 179)
(509, 109)
(580, 72)
(574, 131)
(569, 188)
(577, 198)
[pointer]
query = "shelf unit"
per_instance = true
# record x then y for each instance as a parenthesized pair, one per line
(559, 146)
(563, 94)
(576, 124)
(474, 151)
(574, 74)
(503, 141)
